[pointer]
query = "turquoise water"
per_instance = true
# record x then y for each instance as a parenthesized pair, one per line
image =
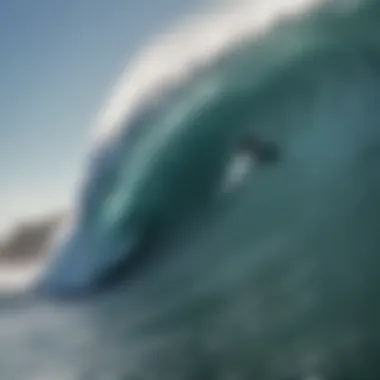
(262, 268)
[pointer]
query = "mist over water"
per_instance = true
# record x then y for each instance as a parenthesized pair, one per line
(15, 279)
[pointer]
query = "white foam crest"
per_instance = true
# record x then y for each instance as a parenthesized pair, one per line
(176, 54)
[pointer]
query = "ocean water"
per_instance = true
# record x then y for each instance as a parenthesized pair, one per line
(46, 340)
(265, 268)
(41, 342)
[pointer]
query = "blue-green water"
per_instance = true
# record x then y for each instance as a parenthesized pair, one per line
(243, 209)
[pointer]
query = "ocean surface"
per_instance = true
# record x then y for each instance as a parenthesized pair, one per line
(43, 341)
(260, 273)
(29, 332)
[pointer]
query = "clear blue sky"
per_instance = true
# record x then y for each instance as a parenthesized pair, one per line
(58, 60)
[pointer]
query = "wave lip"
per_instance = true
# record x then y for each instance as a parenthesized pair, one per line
(166, 63)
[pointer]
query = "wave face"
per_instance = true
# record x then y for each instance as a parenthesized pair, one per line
(151, 117)
(232, 201)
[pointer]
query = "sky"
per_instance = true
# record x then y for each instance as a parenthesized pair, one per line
(58, 62)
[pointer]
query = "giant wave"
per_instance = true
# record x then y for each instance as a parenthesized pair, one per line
(230, 207)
